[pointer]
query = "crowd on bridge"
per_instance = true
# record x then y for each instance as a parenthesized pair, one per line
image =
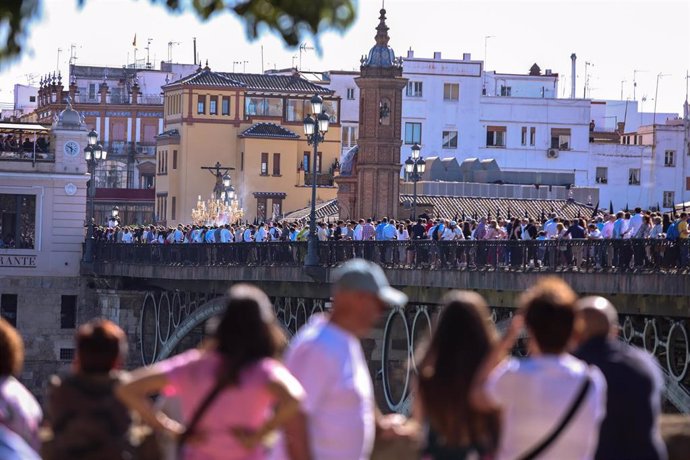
(246, 393)
(623, 239)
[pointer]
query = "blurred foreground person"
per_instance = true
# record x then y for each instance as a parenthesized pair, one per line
(552, 403)
(463, 338)
(13, 446)
(339, 416)
(87, 420)
(19, 410)
(233, 394)
(630, 429)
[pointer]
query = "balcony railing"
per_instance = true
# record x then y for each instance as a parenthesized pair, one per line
(145, 149)
(587, 256)
(151, 99)
(83, 97)
(322, 179)
(123, 148)
(26, 155)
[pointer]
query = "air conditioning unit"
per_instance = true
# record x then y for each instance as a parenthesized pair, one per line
(552, 153)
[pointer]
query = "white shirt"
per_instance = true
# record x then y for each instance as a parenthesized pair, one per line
(535, 393)
(330, 365)
(358, 233)
(635, 224)
(448, 234)
(551, 229)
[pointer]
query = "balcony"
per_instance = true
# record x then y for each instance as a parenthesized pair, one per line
(151, 99)
(26, 155)
(322, 179)
(84, 97)
(123, 148)
(145, 149)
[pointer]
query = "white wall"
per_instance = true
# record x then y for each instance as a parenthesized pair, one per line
(655, 178)
(22, 98)
(472, 113)
(436, 114)
(545, 86)
(606, 113)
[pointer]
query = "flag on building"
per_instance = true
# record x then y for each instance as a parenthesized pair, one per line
(134, 42)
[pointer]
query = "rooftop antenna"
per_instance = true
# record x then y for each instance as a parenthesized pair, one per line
(194, 38)
(622, 86)
(73, 53)
(244, 65)
(656, 93)
(170, 50)
(262, 58)
(587, 88)
(148, 49)
(486, 40)
(57, 63)
(293, 61)
(303, 48)
(635, 72)
(31, 79)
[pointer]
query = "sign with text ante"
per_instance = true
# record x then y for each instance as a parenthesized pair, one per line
(18, 261)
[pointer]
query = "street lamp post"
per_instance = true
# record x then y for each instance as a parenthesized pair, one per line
(414, 167)
(315, 129)
(93, 154)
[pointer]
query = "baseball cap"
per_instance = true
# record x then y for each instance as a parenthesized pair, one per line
(360, 275)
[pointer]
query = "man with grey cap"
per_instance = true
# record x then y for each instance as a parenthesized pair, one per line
(630, 429)
(339, 416)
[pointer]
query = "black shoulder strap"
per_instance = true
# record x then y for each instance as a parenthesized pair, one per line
(572, 410)
(221, 383)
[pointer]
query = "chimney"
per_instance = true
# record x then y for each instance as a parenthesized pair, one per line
(410, 53)
(573, 76)
(437, 55)
(548, 72)
(466, 57)
(620, 127)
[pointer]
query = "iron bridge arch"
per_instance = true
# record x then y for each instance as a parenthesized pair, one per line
(169, 317)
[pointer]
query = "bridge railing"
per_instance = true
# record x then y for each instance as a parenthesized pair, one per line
(547, 255)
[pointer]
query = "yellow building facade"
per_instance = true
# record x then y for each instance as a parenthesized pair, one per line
(252, 123)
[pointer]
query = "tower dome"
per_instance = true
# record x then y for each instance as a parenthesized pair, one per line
(69, 118)
(381, 55)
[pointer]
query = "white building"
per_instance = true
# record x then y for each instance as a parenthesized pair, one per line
(25, 101)
(606, 114)
(453, 108)
(649, 168)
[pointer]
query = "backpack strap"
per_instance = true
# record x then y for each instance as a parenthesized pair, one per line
(572, 410)
(220, 384)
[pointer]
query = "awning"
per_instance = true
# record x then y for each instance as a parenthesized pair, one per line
(24, 127)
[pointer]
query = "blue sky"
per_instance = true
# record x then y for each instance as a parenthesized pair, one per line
(616, 36)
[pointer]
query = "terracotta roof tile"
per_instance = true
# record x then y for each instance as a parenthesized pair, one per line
(207, 77)
(452, 206)
(277, 83)
(270, 130)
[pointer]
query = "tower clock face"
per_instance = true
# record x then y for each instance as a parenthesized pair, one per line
(71, 148)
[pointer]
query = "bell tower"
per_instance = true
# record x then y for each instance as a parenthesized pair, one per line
(373, 187)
